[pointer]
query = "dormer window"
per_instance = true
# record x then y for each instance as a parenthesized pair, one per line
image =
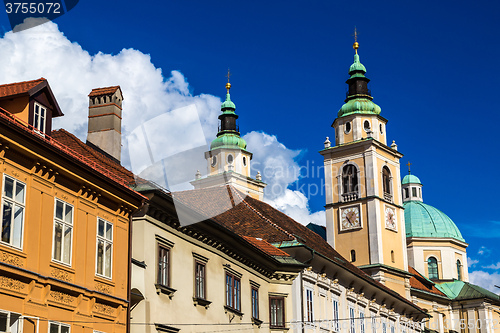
(40, 118)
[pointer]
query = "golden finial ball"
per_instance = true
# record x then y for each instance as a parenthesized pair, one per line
(228, 85)
(355, 45)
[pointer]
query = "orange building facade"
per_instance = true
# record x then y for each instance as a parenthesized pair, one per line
(65, 227)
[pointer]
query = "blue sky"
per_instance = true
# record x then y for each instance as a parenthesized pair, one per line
(432, 65)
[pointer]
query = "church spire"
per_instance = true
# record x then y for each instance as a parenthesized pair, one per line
(358, 99)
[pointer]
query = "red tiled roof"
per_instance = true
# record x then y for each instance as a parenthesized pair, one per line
(17, 88)
(265, 246)
(73, 143)
(418, 281)
(247, 216)
(103, 91)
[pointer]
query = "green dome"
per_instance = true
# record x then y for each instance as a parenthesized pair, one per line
(228, 105)
(357, 67)
(359, 105)
(410, 179)
(422, 220)
(228, 140)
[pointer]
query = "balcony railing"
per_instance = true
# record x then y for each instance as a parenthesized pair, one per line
(388, 196)
(351, 196)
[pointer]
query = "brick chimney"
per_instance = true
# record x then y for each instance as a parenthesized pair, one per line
(105, 121)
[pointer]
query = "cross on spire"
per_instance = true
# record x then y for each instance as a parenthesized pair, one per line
(228, 85)
(409, 164)
(355, 46)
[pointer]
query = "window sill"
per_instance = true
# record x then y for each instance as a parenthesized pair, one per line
(103, 279)
(165, 290)
(229, 309)
(256, 321)
(202, 302)
(279, 328)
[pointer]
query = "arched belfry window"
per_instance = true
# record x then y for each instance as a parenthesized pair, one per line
(459, 270)
(386, 183)
(349, 183)
(432, 267)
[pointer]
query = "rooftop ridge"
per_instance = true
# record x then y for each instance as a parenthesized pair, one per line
(12, 119)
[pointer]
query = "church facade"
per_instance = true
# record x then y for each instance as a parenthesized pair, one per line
(382, 225)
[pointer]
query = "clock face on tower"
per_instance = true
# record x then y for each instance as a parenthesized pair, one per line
(350, 218)
(390, 218)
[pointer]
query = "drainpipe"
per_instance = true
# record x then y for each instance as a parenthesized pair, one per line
(129, 280)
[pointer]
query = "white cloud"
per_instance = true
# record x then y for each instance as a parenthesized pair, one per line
(471, 262)
(493, 266)
(44, 51)
(279, 170)
(484, 251)
(485, 280)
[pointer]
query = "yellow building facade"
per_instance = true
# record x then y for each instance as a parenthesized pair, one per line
(64, 245)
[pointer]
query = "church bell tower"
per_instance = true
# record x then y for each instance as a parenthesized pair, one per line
(228, 160)
(364, 208)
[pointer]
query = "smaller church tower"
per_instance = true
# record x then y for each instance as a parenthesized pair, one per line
(435, 245)
(228, 160)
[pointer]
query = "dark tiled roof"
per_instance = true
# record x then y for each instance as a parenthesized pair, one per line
(419, 282)
(245, 215)
(72, 142)
(17, 88)
(265, 246)
(103, 91)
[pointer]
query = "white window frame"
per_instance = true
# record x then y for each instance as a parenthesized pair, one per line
(335, 310)
(8, 321)
(41, 118)
(352, 319)
(309, 292)
(14, 203)
(106, 242)
(59, 326)
(65, 225)
(361, 322)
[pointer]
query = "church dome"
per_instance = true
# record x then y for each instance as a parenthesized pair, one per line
(359, 105)
(228, 140)
(422, 220)
(410, 179)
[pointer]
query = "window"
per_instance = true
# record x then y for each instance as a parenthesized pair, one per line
(347, 127)
(9, 322)
(393, 328)
(335, 304)
(374, 322)
(309, 305)
(432, 267)
(199, 280)
(13, 200)
(277, 311)
(386, 180)
(230, 159)
(353, 255)
(459, 270)
(384, 326)
(39, 117)
(352, 319)
(63, 232)
(407, 193)
(233, 292)
(414, 192)
(255, 303)
(349, 179)
(392, 256)
(163, 269)
(58, 328)
(104, 247)
(361, 322)
(366, 125)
